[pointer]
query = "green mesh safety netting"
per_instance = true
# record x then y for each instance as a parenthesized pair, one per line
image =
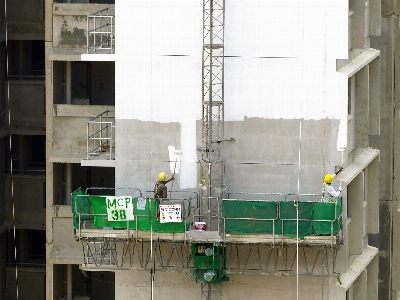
(81, 207)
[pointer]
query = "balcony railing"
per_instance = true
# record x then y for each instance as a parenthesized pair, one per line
(100, 136)
(101, 31)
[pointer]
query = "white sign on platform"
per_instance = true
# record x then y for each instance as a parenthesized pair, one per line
(120, 208)
(170, 213)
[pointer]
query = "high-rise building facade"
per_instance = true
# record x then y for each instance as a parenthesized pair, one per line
(248, 104)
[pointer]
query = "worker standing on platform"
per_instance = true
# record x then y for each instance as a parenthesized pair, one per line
(160, 190)
(328, 192)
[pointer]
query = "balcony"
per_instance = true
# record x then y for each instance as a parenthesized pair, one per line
(70, 131)
(83, 29)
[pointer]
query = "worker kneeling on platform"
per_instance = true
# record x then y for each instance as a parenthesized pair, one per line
(328, 192)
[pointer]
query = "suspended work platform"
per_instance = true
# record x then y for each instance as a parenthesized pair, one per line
(275, 222)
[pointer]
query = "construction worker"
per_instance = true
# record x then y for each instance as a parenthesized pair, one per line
(160, 190)
(328, 192)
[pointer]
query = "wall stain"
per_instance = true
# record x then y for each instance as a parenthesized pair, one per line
(73, 37)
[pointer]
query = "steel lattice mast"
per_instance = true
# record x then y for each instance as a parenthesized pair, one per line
(212, 161)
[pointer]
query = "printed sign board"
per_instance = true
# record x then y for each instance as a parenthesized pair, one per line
(120, 208)
(170, 213)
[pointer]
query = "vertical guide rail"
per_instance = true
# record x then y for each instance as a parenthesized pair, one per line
(212, 161)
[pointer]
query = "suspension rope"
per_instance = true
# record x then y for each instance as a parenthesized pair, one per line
(297, 215)
(11, 156)
(152, 261)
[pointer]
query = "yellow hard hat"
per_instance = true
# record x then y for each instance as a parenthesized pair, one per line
(162, 176)
(328, 178)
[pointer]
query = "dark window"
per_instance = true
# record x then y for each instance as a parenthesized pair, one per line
(37, 244)
(26, 60)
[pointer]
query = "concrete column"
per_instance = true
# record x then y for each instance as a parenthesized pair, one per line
(372, 278)
(68, 184)
(360, 287)
(362, 108)
(355, 201)
(374, 91)
(372, 187)
(68, 82)
(358, 23)
(69, 282)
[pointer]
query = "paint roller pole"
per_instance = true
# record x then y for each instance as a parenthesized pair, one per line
(178, 154)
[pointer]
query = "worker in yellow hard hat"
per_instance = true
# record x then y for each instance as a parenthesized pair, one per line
(328, 192)
(160, 190)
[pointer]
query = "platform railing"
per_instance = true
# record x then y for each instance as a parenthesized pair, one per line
(277, 220)
(92, 209)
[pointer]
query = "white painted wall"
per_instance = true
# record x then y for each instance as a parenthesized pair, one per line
(280, 64)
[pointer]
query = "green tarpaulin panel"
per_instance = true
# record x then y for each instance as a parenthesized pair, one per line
(81, 206)
(145, 217)
(238, 226)
(290, 228)
(288, 210)
(288, 214)
(249, 209)
(234, 210)
(330, 212)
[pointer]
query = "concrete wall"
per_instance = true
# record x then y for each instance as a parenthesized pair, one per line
(136, 284)
(27, 100)
(30, 282)
(64, 248)
(26, 20)
(29, 207)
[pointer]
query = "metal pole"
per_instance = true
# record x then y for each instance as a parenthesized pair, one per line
(68, 184)
(68, 82)
(69, 282)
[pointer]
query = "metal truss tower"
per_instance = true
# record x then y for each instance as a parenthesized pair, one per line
(212, 165)
(212, 161)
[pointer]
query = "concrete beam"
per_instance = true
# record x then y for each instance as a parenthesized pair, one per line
(84, 111)
(98, 57)
(66, 156)
(357, 267)
(359, 164)
(359, 62)
(98, 163)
